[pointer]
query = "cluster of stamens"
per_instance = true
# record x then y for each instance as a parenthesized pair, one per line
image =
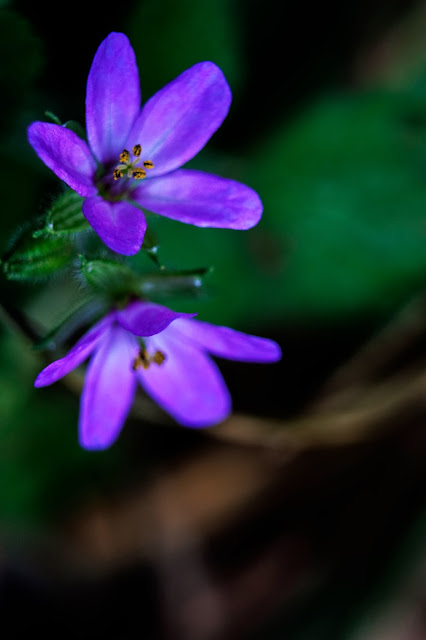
(128, 168)
(144, 359)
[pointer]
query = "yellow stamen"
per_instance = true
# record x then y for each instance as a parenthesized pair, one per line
(158, 357)
(143, 359)
(138, 174)
(128, 168)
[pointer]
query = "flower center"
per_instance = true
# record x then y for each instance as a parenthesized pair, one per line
(127, 166)
(144, 359)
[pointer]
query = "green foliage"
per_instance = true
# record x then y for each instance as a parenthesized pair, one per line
(168, 37)
(343, 191)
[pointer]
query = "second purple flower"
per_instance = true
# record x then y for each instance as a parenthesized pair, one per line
(168, 353)
(133, 156)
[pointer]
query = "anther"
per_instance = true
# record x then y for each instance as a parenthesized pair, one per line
(137, 150)
(158, 357)
(148, 164)
(138, 174)
(143, 359)
(124, 156)
(117, 174)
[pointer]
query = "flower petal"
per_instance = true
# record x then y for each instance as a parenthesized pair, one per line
(201, 199)
(119, 224)
(228, 343)
(66, 154)
(108, 390)
(188, 384)
(112, 97)
(80, 351)
(180, 118)
(146, 318)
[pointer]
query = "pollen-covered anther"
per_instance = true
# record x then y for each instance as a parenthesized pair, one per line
(127, 166)
(125, 156)
(143, 359)
(158, 357)
(138, 174)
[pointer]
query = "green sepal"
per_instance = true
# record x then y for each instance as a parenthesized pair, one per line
(108, 276)
(54, 118)
(32, 259)
(77, 128)
(70, 124)
(64, 217)
(150, 246)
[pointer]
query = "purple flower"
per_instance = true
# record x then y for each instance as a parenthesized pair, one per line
(133, 156)
(168, 354)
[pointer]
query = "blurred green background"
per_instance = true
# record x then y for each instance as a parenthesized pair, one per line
(328, 124)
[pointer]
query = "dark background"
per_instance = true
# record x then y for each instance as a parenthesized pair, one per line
(303, 516)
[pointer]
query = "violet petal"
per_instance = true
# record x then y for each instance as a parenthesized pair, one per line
(108, 391)
(201, 199)
(228, 343)
(112, 97)
(119, 224)
(180, 118)
(75, 356)
(147, 318)
(188, 384)
(66, 154)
